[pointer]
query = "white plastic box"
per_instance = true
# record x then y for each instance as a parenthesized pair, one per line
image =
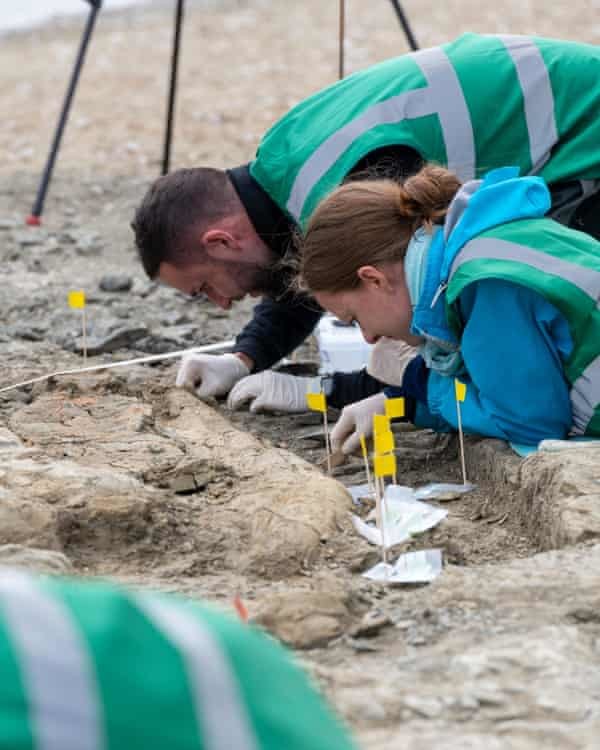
(342, 347)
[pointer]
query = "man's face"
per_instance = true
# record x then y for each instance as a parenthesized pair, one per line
(224, 271)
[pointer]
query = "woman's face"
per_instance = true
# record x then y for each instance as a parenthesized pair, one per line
(380, 304)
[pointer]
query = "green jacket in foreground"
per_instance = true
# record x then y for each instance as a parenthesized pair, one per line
(480, 102)
(89, 666)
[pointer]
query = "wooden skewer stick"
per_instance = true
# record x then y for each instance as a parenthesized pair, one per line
(327, 441)
(460, 392)
(342, 34)
(365, 454)
(379, 516)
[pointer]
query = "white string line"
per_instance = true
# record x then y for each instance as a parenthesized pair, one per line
(221, 346)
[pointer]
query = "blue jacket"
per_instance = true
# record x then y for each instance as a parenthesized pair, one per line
(513, 341)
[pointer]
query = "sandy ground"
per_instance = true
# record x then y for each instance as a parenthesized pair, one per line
(243, 64)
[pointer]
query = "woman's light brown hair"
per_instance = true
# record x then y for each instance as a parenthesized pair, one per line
(369, 223)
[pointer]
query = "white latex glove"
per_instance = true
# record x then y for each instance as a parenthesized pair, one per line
(210, 375)
(356, 420)
(389, 359)
(273, 391)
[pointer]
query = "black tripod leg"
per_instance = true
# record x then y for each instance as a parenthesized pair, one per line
(405, 25)
(38, 206)
(172, 87)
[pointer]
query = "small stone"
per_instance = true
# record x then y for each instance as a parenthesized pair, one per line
(147, 289)
(405, 624)
(371, 623)
(428, 708)
(116, 283)
(361, 644)
(88, 244)
(175, 318)
(158, 345)
(305, 619)
(28, 333)
(29, 239)
(67, 238)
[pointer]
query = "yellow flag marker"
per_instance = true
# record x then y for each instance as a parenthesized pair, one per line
(318, 402)
(460, 391)
(394, 408)
(384, 442)
(76, 299)
(384, 466)
(380, 424)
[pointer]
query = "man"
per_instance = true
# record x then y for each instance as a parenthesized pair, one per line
(473, 104)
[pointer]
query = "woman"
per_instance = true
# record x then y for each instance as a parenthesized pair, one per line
(492, 293)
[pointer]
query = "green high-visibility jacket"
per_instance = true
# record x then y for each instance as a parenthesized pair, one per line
(89, 666)
(564, 267)
(480, 102)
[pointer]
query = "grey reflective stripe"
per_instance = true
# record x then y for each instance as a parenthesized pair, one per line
(585, 396)
(458, 205)
(446, 97)
(442, 96)
(586, 279)
(58, 675)
(537, 97)
(221, 712)
(585, 391)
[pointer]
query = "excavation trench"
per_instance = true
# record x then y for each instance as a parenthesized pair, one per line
(118, 475)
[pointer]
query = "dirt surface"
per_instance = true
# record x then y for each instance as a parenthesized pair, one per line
(120, 474)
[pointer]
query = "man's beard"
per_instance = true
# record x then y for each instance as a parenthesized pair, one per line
(271, 281)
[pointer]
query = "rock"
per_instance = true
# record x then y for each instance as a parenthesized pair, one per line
(6, 224)
(88, 244)
(28, 332)
(305, 619)
(279, 507)
(175, 318)
(361, 645)
(29, 238)
(116, 283)
(66, 238)
(146, 289)
(39, 560)
(371, 624)
(159, 344)
(186, 477)
(122, 338)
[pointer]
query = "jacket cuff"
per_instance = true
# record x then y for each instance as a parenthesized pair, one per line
(414, 380)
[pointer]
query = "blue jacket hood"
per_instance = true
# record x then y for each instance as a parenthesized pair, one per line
(501, 197)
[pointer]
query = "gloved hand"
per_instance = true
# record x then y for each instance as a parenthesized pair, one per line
(389, 359)
(273, 391)
(356, 420)
(210, 375)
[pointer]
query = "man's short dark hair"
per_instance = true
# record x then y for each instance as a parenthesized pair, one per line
(172, 206)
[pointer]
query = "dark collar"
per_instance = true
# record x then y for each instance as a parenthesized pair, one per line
(270, 222)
